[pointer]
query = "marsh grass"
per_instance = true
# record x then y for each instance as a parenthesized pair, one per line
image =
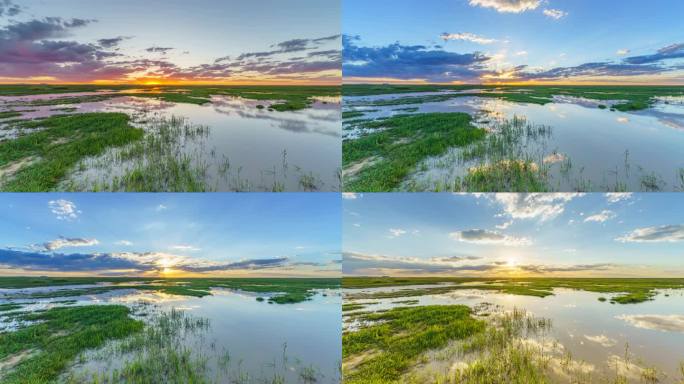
(278, 290)
(509, 158)
(9, 114)
(285, 98)
(624, 291)
(10, 307)
(159, 162)
(176, 156)
(58, 336)
(506, 347)
(177, 347)
(402, 142)
(631, 98)
(396, 338)
(58, 144)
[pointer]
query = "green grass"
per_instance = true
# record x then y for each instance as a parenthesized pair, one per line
(9, 307)
(279, 290)
(633, 97)
(506, 175)
(400, 337)
(401, 143)
(8, 114)
(352, 114)
(59, 145)
(61, 335)
(624, 291)
(352, 307)
(286, 98)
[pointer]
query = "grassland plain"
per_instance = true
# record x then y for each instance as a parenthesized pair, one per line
(622, 291)
(288, 97)
(482, 343)
(501, 159)
(277, 290)
(40, 154)
(632, 97)
(150, 345)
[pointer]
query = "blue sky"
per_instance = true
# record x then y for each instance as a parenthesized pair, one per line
(555, 40)
(169, 40)
(211, 234)
(569, 235)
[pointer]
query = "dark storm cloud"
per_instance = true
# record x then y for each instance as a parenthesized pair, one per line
(410, 62)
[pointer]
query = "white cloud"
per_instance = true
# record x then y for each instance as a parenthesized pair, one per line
(504, 225)
(521, 53)
(623, 52)
(671, 323)
(555, 13)
(508, 6)
(64, 209)
(124, 242)
(185, 247)
(542, 206)
(351, 195)
(161, 207)
(64, 242)
(483, 236)
(604, 340)
(661, 234)
(466, 36)
(615, 197)
(601, 217)
(396, 232)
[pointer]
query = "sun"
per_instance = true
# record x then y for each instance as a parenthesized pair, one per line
(512, 262)
(152, 82)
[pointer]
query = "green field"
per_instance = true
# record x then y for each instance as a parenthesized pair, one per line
(280, 291)
(622, 291)
(286, 98)
(633, 97)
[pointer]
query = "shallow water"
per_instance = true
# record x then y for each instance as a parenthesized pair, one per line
(591, 330)
(254, 333)
(262, 147)
(635, 151)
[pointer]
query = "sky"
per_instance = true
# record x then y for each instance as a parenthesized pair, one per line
(170, 235)
(170, 41)
(514, 235)
(513, 41)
